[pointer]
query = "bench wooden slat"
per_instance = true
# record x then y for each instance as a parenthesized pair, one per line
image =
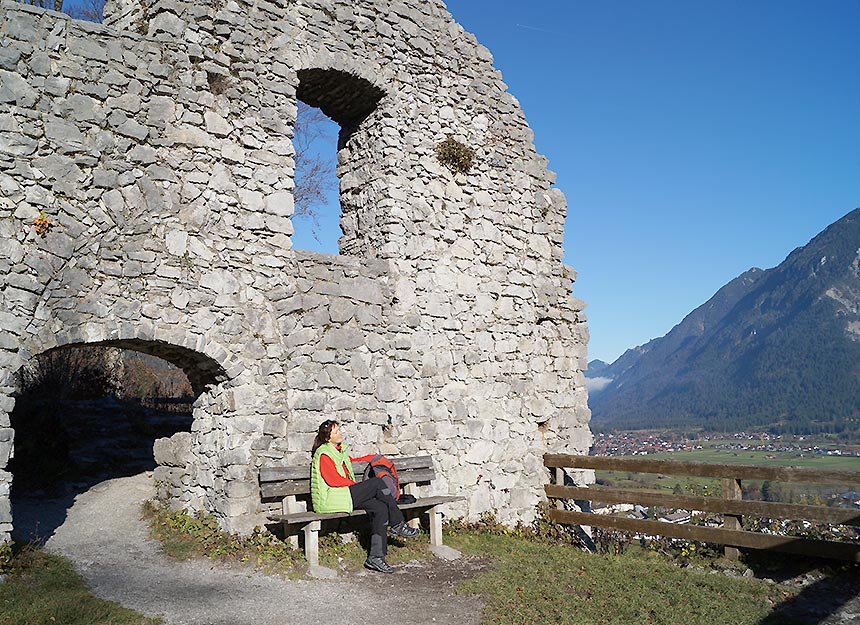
(306, 517)
(282, 489)
(274, 474)
(404, 464)
(411, 476)
(302, 485)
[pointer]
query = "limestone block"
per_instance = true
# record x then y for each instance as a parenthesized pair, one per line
(239, 490)
(303, 400)
(280, 203)
(240, 456)
(251, 199)
(220, 281)
(16, 144)
(5, 511)
(333, 376)
(346, 338)
(179, 298)
(21, 26)
(525, 498)
(480, 452)
(189, 135)
(6, 447)
(341, 310)
(216, 124)
(167, 22)
(161, 111)
(174, 451)
(388, 389)
(169, 477)
(360, 365)
(9, 58)
(275, 425)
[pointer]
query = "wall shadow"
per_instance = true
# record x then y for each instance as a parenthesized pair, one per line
(830, 592)
(76, 445)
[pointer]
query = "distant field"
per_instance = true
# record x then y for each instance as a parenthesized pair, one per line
(795, 459)
(623, 479)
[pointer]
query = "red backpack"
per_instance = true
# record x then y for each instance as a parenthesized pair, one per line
(381, 467)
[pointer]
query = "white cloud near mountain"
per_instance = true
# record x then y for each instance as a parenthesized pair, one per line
(597, 384)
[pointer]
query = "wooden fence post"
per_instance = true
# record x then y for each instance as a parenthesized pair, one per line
(732, 490)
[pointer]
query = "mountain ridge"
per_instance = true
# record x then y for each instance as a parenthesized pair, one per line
(777, 347)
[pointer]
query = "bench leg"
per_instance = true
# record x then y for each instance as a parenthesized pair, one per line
(436, 546)
(312, 542)
(288, 506)
(435, 526)
(412, 489)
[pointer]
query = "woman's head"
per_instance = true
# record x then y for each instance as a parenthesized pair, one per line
(328, 432)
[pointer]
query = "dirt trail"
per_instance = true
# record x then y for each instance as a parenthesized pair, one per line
(105, 538)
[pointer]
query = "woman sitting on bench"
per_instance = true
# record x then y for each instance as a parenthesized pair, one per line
(334, 489)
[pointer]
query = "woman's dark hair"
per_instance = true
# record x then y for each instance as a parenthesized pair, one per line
(323, 434)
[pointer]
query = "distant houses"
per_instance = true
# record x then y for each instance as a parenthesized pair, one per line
(680, 517)
(852, 497)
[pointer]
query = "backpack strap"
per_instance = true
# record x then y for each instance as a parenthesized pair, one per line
(368, 470)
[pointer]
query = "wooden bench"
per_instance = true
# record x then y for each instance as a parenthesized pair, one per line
(292, 485)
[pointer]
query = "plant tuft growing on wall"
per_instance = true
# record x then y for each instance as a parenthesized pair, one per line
(455, 156)
(42, 225)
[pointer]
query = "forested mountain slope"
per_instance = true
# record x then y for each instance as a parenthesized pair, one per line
(778, 348)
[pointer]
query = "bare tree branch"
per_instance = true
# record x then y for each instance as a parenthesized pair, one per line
(314, 176)
(55, 5)
(89, 10)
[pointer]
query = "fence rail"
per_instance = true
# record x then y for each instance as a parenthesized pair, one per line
(166, 404)
(730, 505)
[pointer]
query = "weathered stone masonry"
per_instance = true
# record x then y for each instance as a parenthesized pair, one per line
(159, 146)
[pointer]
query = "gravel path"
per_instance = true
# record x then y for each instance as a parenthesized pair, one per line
(105, 538)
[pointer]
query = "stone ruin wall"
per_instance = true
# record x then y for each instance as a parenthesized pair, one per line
(160, 146)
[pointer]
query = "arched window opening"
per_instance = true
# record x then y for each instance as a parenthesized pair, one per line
(330, 103)
(88, 413)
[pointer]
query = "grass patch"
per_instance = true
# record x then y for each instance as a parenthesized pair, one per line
(183, 536)
(43, 588)
(539, 582)
(337, 554)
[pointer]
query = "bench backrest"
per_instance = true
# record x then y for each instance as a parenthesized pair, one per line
(296, 480)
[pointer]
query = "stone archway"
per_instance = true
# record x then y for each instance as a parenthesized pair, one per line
(68, 441)
(346, 98)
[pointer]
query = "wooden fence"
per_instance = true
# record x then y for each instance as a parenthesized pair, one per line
(181, 405)
(730, 504)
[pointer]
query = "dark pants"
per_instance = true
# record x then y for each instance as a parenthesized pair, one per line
(368, 495)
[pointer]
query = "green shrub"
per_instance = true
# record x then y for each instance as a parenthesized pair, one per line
(5, 557)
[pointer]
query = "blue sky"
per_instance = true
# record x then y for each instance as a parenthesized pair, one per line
(693, 140)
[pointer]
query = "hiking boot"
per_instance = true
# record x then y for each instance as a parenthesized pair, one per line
(404, 531)
(378, 564)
